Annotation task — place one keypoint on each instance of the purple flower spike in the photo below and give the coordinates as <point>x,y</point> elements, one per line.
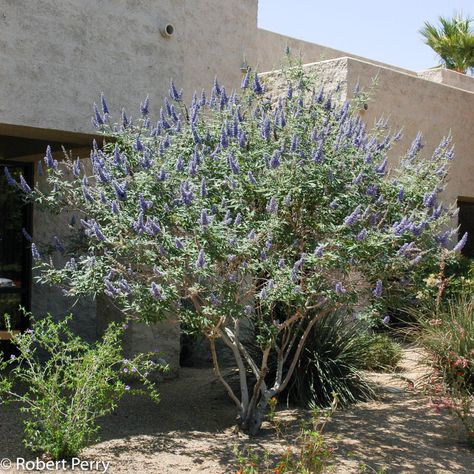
<point>26,235</point>
<point>272,206</point>
<point>246,80</point>
<point>460,245</point>
<point>201,260</point>
<point>24,185</point>
<point>401,194</point>
<point>381,168</point>
<point>233,164</point>
<point>98,232</point>
<point>319,251</point>
<point>339,288</point>
<point>265,128</point>
<point>155,291</point>
<point>257,86</point>
<point>9,177</point>
<point>174,93</point>
<point>386,319</point>
<point>49,160</point>
<point>362,234</point>
<point>34,252</point>
<point>429,199</point>
<point>204,218</point>
<point>98,119</point>
<point>378,290</point>
<point>251,178</point>
<point>120,191</point>
<point>203,188</point>
<point>105,109</point>
<point>275,160</point>
<point>145,106</point>
<point>352,218</point>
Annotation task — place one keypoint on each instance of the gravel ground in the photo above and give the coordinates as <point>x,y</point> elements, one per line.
<point>192,431</point>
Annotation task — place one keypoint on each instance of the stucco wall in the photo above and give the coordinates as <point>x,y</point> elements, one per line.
<point>58,55</point>
<point>270,48</point>
<point>449,78</point>
<point>47,299</point>
<point>417,104</point>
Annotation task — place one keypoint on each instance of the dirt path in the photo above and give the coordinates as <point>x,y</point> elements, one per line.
<point>191,431</point>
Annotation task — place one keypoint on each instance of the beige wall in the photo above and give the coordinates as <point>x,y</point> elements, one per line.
<point>57,56</point>
<point>271,46</point>
<point>417,104</point>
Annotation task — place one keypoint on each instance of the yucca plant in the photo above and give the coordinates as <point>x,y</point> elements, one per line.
<point>336,352</point>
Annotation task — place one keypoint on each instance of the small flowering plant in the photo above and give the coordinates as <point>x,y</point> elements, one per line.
<point>64,385</point>
<point>265,211</point>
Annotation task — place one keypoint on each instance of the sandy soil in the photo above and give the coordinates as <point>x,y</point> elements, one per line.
<point>192,431</point>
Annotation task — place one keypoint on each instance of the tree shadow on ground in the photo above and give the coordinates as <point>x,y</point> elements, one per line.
<point>191,430</point>
<point>402,434</point>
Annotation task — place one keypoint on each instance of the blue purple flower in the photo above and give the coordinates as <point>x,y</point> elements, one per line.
<point>34,252</point>
<point>251,178</point>
<point>24,185</point>
<point>272,206</point>
<point>257,86</point>
<point>201,260</point>
<point>174,93</point>
<point>155,291</point>
<point>460,245</point>
<point>378,290</point>
<point>49,160</point>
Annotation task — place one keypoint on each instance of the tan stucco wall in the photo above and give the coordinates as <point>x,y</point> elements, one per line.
<point>58,57</point>
<point>417,104</point>
<point>271,46</point>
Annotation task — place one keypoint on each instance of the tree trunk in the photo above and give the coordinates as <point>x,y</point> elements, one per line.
<point>253,419</point>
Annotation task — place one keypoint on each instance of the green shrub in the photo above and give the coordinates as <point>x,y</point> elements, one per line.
<point>308,453</point>
<point>447,334</point>
<point>384,353</point>
<point>64,384</point>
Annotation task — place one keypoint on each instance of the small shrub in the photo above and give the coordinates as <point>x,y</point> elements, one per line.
<point>309,453</point>
<point>384,353</point>
<point>448,336</point>
<point>65,384</point>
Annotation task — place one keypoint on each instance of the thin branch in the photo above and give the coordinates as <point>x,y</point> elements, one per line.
<point>217,371</point>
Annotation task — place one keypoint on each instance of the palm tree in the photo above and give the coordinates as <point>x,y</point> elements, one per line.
<point>453,41</point>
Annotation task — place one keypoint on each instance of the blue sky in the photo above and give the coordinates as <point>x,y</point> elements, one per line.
<point>376,29</point>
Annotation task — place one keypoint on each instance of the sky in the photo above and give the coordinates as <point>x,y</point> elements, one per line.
<point>386,31</point>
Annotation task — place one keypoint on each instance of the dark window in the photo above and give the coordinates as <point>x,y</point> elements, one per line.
<point>466,224</point>
<point>15,260</point>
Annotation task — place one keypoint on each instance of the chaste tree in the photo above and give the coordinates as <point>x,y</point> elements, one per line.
<point>248,216</point>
